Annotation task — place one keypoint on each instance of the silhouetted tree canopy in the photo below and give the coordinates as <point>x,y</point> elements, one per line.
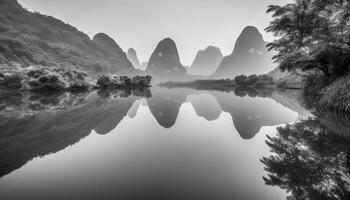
<point>309,161</point>
<point>312,35</point>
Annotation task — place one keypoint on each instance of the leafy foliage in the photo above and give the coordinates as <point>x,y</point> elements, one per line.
<point>309,161</point>
<point>44,79</point>
<point>107,82</point>
<point>254,80</point>
<point>312,35</point>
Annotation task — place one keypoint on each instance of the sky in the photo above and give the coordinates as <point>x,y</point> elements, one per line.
<point>141,24</point>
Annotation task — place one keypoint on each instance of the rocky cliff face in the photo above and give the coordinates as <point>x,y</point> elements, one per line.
<point>250,56</point>
<point>164,63</point>
<point>34,39</point>
<point>206,61</point>
<point>132,56</point>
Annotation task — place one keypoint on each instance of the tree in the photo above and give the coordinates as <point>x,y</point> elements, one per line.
<point>241,80</point>
<point>312,35</point>
<point>252,79</point>
<point>309,161</point>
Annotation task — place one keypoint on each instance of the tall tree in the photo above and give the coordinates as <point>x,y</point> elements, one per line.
<point>312,35</point>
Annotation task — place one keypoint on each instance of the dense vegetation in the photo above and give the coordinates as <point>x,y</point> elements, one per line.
<point>28,38</point>
<point>314,36</point>
<point>53,79</point>
<point>254,80</point>
<point>310,160</point>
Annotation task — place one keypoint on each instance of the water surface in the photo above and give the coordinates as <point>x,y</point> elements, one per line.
<point>177,144</point>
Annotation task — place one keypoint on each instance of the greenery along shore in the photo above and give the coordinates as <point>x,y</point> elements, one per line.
<point>314,37</point>
<point>53,79</point>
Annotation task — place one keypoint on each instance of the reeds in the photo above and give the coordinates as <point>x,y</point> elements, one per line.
<point>336,96</point>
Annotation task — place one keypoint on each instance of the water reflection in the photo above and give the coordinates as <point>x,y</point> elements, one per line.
<point>310,161</point>
<point>165,105</point>
<point>250,114</point>
<point>168,143</point>
<point>205,106</point>
<point>34,125</point>
<point>39,126</point>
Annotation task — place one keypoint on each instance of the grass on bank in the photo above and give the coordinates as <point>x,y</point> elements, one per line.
<point>336,97</point>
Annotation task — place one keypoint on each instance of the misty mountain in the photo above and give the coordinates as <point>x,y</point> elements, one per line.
<point>250,56</point>
<point>206,61</point>
<point>144,65</point>
<point>164,63</point>
<point>132,56</point>
<point>30,38</point>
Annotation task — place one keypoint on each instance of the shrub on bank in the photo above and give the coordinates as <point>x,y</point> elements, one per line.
<point>241,80</point>
<point>36,78</point>
<point>254,80</point>
<point>107,82</point>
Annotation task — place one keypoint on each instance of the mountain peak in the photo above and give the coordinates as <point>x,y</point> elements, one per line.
<point>212,48</point>
<point>102,37</point>
<point>167,40</point>
<point>168,47</point>
<point>206,61</point>
<point>132,51</point>
<point>165,61</point>
<point>108,43</point>
<point>249,56</point>
<point>251,29</point>
<point>249,38</point>
<point>132,56</point>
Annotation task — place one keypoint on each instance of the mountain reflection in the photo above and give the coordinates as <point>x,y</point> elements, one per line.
<point>250,114</point>
<point>310,160</point>
<point>205,106</point>
<point>32,127</point>
<point>35,125</point>
<point>165,105</point>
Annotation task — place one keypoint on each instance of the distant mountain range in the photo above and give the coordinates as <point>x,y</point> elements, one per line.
<point>206,61</point>
<point>29,38</point>
<point>250,56</point>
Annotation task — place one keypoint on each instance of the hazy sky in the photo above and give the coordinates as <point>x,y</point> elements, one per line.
<point>141,24</point>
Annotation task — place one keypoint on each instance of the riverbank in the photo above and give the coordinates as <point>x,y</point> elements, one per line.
<point>201,84</point>
<point>252,81</point>
<point>222,84</point>
<point>53,79</point>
